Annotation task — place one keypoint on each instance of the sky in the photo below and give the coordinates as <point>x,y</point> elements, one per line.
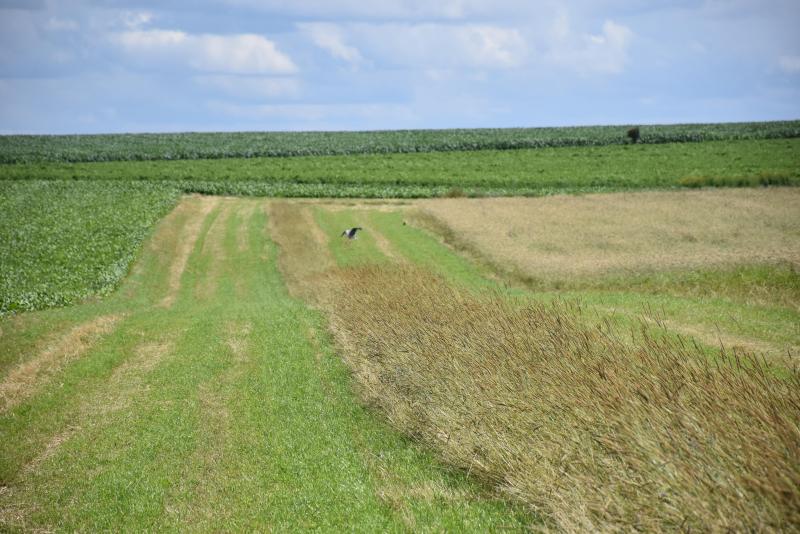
<point>107,66</point>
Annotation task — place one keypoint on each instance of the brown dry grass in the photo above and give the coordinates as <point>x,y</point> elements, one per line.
<point>385,246</point>
<point>567,236</point>
<point>127,381</point>
<point>198,209</point>
<point>124,384</point>
<point>23,381</point>
<point>591,431</point>
<point>304,247</point>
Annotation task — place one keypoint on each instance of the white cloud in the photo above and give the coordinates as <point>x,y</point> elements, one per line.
<point>242,53</point>
<point>330,37</point>
<point>251,87</point>
<point>391,9</point>
<point>439,46</point>
<point>789,64</point>
<point>606,52</point>
<point>133,20</point>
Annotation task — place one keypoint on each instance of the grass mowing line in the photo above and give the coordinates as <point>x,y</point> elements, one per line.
<point>23,381</point>
<point>233,427</point>
<point>712,321</point>
<point>199,208</point>
<point>212,251</point>
<point>304,246</point>
<point>202,491</point>
<point>422,248</point>
<point>123,385</point>
<point>362,249</point>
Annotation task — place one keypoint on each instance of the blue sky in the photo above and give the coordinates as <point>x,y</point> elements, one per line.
<point>97,66</point>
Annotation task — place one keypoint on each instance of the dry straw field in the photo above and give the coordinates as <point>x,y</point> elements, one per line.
<point>569,236</point>
<point>591,430</point>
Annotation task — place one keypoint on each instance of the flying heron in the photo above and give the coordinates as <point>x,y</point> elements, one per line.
<point>351,232</point>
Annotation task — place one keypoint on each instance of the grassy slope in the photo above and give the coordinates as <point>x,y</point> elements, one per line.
<point>225,409</point>
<point>528,172</point>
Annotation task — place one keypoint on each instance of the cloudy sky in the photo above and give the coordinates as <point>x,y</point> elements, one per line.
<point>92,66</point>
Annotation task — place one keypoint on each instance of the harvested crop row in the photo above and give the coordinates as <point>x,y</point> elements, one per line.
<point>592,431</point>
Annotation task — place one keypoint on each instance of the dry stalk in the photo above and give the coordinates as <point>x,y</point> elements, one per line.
<point>590,430</point>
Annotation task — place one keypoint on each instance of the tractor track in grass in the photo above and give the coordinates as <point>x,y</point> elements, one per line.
<point>188,236</point>
<point>218,403</point>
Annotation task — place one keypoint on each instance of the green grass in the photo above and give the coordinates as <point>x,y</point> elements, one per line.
<point>65,241</point>
<point>245,421</point>
<point>487,172</point>
<point>132,147</point>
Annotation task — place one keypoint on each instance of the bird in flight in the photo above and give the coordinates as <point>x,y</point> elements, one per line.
<point>351,232</point>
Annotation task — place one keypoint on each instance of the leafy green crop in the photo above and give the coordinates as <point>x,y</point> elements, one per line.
<point>179,146</point>
<point>475,173</point>
<point>64,241</point>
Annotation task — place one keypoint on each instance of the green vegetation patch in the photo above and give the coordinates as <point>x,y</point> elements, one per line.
<point>477,173</point>
<point>131,147</point>
<point>64,241</point>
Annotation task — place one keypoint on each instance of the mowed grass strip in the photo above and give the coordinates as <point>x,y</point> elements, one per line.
<point>226,410</point>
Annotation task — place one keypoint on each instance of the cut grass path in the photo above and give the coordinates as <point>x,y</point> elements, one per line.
<point>214,402</point>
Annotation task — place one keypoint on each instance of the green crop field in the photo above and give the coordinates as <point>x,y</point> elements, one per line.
<point>573,361</point>
<point>65,241</point>
<point>128,147</point>
<point>478,173</point>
